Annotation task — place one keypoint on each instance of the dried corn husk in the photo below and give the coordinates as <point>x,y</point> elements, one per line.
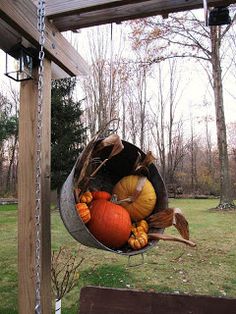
<point>87,167</point>
<point>170,217</point>
<point>141,166</point>
<point>84,165</point>
<point>112,140</point>
<point>158,236</point>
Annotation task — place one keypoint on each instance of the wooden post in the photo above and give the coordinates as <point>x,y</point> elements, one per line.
<point>26,194</point>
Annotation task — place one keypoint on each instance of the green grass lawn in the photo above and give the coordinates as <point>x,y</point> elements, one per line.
<point>169,267</point>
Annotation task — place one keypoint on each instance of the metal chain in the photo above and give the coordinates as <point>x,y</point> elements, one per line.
<point>38,207</point>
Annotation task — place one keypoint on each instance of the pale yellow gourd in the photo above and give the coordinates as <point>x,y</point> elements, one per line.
<point>143,205</point>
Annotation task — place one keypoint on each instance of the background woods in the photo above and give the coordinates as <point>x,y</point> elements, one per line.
<point>8,141</point>
<point>168,82</point>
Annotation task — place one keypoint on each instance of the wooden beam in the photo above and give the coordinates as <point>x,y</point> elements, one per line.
<point>55,8</point>
<point>26,195</point>
<point>97,300</point>
<point>72,15</point>
<point>46,190</point>
<point>22,16</point>
<point>10,37</point>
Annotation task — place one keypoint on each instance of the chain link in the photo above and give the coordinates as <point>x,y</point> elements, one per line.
<point>38,190</point>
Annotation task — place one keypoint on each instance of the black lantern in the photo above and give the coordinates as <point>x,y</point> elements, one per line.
<point>19,63</point>
<point>219,16</point>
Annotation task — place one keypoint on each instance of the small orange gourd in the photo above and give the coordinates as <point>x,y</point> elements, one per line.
<point>83,211</point>
<point>97,195</point>
<point>142,225</point>
<point>138,239</point>
<point>86,197</point>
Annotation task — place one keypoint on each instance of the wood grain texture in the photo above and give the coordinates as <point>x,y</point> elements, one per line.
<point>61,7</point>
<point>46,190</point>
<point>71,15</point>
<point>22,16</point>
<point>10,37</point>
<point>96,300</point>
<point>26,195</point>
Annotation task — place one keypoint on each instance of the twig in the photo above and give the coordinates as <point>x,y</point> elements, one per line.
<point>99,167</point>
<point>63,271</point>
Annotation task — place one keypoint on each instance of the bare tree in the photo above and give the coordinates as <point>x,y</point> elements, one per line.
<point>103,88</point>
<point>193,154</point>
<point>191,39</point>
<point>11,177</point>
<point>8,140</point>
<point>167,130</point>
<point>232,152</point>
<point>158,130</point>
<point>141,99</point>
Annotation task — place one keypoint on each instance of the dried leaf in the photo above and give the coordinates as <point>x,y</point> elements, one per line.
<point>141,166</point>
<point>149,158</point>
<point>137,161</point>
<point>162,219</point>
<point>170,217</point>
<point>84,162</point>
<point>85,168</point>
<point>114,140</point>
<point>76,194</point>
<point>182,226</point>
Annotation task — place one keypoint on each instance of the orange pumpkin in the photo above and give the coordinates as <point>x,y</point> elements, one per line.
<point>138,239</point>
<point>83,211</point>
<point>110,223</point>
<point>101,195</point>
<point>143,205</point>
<point>86,197</point>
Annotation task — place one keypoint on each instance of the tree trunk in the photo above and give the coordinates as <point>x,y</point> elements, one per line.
<point>8,187</point>
<point>142,105</point>
<point>192,161</point>
<point>209,147</point>
<point>162,149</point>
<point>226,200</point>
<point>123,118</point>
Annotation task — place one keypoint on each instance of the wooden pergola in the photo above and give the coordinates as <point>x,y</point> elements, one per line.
<point>18,23</point>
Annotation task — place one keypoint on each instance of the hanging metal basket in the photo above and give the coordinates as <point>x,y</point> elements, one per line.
<point>116,168</point>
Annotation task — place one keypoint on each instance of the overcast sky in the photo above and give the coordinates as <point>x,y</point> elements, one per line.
<point>196,88</point>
